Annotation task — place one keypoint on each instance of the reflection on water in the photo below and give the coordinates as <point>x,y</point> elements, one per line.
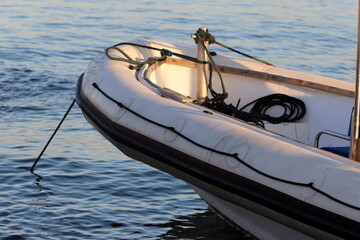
<point>204,225</point>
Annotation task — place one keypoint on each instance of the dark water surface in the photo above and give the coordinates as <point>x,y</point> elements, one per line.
<point>87,189</point>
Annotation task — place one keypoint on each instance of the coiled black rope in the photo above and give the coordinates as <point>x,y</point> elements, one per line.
<point>293,109</point>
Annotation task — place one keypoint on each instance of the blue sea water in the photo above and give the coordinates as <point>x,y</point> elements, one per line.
<point>84,188</point>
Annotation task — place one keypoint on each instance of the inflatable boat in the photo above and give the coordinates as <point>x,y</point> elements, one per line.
<point>266,147</point>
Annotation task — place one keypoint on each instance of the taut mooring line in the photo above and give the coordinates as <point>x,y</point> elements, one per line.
<point>47,144</point>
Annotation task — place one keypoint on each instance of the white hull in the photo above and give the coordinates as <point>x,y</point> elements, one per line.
<point>271,182</point>
<point>250,217</point>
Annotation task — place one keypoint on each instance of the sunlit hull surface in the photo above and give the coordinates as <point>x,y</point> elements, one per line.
<point>272,182</point>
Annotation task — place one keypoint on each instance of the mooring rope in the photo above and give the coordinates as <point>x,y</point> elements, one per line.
<point>201,36</point>
<point>244,54</point>
<point>224,95</point>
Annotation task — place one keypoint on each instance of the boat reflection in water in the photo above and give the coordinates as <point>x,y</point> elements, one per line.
<point>206,225</point>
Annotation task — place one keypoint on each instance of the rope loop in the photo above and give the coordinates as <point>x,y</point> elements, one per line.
<point>136,65</point>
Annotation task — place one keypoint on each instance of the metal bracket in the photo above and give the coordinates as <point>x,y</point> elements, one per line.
<point>330,133</point>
